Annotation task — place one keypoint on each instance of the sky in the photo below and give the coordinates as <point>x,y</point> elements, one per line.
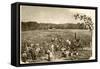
<point>52,14</point>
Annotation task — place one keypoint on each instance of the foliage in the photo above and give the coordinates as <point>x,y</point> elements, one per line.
<point>45,26</point>
<point>87,20</point>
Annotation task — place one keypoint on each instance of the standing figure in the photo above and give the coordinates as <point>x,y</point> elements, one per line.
<point>24,57</point>
<point>49,55</point>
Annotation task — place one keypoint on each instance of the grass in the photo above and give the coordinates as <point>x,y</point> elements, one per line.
<point>39,36</point>
<point>45,35</point>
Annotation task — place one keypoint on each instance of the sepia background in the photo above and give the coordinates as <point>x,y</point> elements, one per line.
<point>40,24</point>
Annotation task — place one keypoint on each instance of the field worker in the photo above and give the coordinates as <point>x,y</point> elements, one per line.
<point>62,49</point>
<point>41,52</point>
<point>29,53</point>
<point>56,39</point>
<point>57,47</point>
<point>78,43</point>
<point>69,42</point>
<point>37,47</point>
<point>33,54</point>
<point>28,43</point>
<point>28,48</point>
<point>37,50</point>
<point>24,46</point>
<point>52,48</point>
<point>24,56</point>
<point>49,55</point>
<point>76,53</point>
<point>31,44</point>
<point>67,53</point>
<point>52,39</point>
<point>63,52</point>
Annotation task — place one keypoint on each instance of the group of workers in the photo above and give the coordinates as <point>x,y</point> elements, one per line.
<point>55,48</point>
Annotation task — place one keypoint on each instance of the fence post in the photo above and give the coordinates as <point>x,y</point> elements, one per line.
<point>75,35</point>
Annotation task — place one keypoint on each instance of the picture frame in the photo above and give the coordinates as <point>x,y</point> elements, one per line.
<point>53,29</point>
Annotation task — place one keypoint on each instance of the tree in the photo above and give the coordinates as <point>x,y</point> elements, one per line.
<point>87,22</point>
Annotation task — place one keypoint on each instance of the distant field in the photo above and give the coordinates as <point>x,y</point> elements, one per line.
<point>39,36</point>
